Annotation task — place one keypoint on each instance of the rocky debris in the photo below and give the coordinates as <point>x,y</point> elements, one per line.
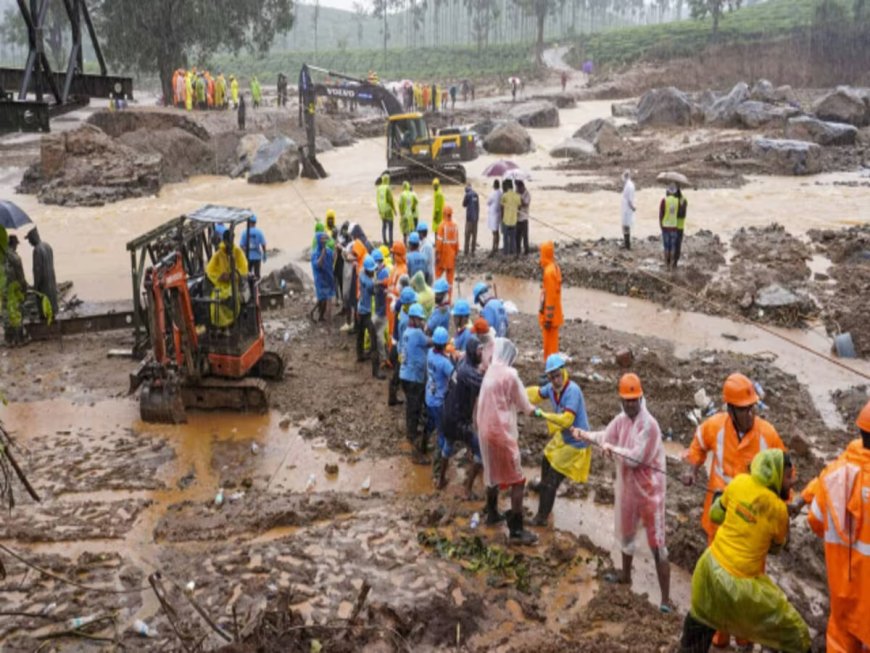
<point>724,110</point>
<point>845,104</point>
<point>775,249</point>
<point>807,128</point>
<point>665,106</point>
<point>762,91</point>
<point>338,132</point>
<point>573,148</point>
<point>181,153</point>
<point>561,100</point>
<point>535,114</point>
<point>85,167</point>
<point>624,110</point>
<point>322,144</point>
<point>602,134</point>
<point>775,296</point>
<point>116,123</point>
<point>248,146</point>
<point>275,162</point>
<point>788,156</point>
<point>786,94</point>
<point>753,114</point>
<point>508,138</point>
<point>367,127</point>
<point>483,127</point>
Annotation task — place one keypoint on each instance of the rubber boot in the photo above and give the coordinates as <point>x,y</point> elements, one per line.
<point>546,500</point>
<point>518,534</point>
<point>627,238</point>
<point>493,516</point>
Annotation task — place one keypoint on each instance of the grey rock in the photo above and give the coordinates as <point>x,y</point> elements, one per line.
<point>535,114</point>
<point>484,127</point>
<point>754,114</point>
<point>248,146</point>
<point>508,138</point>
<point>603,135</point>
<point>845,104</point>
<point>623,110</point>
<point>275,162</point>
<point>762,91</point>
<point>706,99</point>
<point>789,156</point>
<point>665,106</point>
<point>724,110</point>
<point>573,148</point>
<point>775,296</point>
<point>807,128</point>
<point>561,100</point>
<point>322,144</point>
<point>785,94</point>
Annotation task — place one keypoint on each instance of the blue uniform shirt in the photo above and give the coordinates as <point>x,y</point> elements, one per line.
<point>460,339</point>
<point>440,318</point>
<point>496,316</point>
<point>417,263</point>
<point>380,299</point>
<point>401,327</point>
<point>572,400</point>
<point>415,346</point>
<point>257,242</point>
<point>438,371</point>
<point>471,202</point>
<point>366,292</point>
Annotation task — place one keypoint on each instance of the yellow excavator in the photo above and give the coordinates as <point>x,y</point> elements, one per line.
<point>412,151</point>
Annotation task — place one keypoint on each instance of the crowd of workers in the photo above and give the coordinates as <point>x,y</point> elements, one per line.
<point>455,373</point>
<point>199,89</point>
<point>14,288</point>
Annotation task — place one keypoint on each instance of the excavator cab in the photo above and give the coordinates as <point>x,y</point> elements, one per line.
<point>408,140</point>
<point>207,338</point>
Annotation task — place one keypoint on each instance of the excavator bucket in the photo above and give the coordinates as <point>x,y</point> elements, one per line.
<point>160,401</point>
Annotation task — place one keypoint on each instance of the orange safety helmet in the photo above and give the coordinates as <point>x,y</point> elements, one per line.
<point>629,386</point>
<point>739,391</point>
<point>863,421</point>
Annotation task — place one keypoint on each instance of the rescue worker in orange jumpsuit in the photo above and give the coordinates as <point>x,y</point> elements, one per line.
<point>394,286</point>
<point>840,514</point>
<point>734,437</point>
<point>446,248</point>
<point>550,313</point>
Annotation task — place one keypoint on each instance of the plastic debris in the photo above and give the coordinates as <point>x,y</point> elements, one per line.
<point>475,520</point>
<point>142,629</point>
<point>312,481</point>
<point>255,448</point>
<point>701,399</point>
<point>219,498</point>
<point>236,496</point>
<point>77,622</point>
<point>366,484</point>
<point>191,585</point>
<point>595,360</point>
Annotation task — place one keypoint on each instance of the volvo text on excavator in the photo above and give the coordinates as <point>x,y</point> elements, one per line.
<point>412,152</point>
<point>207,347</point>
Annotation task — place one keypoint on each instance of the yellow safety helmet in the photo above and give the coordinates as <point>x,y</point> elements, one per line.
<point>436,182</point>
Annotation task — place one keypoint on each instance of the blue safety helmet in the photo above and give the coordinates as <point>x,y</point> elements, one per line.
<point>461,308</point>
<point>369,263</point>
<point>219,229</point>
<point>479,288</point>
<point>441,286</point>
<point>414,238</point>
<point>554,362</point>
<point>408,296</point>
<point>422,226</point>
<point>417,311</point>
<point>440,337</point>
<point>383,274</point>
<point>254,218</point>
<point>378,256</point>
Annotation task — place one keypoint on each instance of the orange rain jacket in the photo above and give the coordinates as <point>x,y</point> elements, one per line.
<point>551,289</point>
<point>840,514</point>
<point>400,267</point>
<point>731,456</point>
<point>446,245</point>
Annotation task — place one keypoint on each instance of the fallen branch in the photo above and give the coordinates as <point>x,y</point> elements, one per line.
<point>5,448</point>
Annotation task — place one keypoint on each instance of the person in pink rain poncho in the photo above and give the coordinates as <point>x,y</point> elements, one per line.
<point>634,439</point>
<point>502,396</point>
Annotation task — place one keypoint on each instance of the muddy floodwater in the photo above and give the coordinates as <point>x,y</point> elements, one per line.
<point>89,243</point>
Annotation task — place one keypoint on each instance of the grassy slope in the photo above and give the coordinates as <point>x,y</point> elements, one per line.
<point>768,20</point>
<point>440,64</point>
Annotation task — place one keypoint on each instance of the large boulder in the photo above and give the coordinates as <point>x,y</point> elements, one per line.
<point>535,114</point>
<point>724,110</point>
<point>274,162</point>
<point>807,128</point>
<point>845,104</point>
<point>508,138</point>
<point>484,127</point>
<point>785,94</point>
<point>573,148</point>
<point>762,91</point>
<point>336,131</point>
<point>788,156</point>
<point>754,114</point>
<point>561,100</point>
<point>602,134</point>
<point>665,106</point>
<point>248,146</point>
<point>623,110</point>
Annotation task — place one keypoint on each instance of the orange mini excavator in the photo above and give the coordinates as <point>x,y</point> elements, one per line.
<point>192,362</point>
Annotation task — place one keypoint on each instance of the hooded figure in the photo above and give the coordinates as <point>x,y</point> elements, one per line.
<point>502,396</point>
<point>425,294</point>
<point>386,209</point>
<point>224,276</point>
<point>43,271</point>
<point>550,313</point>
<point>730,590</point>
<point>408,214</point>
<point>16,288</point>
<point>437,204</point>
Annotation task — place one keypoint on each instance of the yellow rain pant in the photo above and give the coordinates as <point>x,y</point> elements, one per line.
<point>570,461</point>
<point>225,313</point>
<point>749,608</point>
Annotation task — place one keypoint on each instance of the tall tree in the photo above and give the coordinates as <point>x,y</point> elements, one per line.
<point>713,8</point>
<point>381,9</point>
<point>161,35</point>
<point>359,17</point>
<point>539,9</point>
<point>315,17</point>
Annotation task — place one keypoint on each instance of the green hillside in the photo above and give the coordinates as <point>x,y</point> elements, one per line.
<point>764,21</point>
<point>421,63</point>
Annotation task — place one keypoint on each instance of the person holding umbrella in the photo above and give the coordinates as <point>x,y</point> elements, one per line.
<point>16,289</point>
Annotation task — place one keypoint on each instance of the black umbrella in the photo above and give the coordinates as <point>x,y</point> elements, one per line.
<point>12,217</point>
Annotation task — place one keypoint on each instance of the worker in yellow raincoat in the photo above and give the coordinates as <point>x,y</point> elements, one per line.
<point>730,591</point>
<point>188,91</point>
<point>234,91</point>
<point>220,92</point>
<point>224,276</point>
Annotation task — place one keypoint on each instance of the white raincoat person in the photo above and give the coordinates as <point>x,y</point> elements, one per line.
<point>635,440</point>
<point>502,396</point>
<point>628,208</point>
